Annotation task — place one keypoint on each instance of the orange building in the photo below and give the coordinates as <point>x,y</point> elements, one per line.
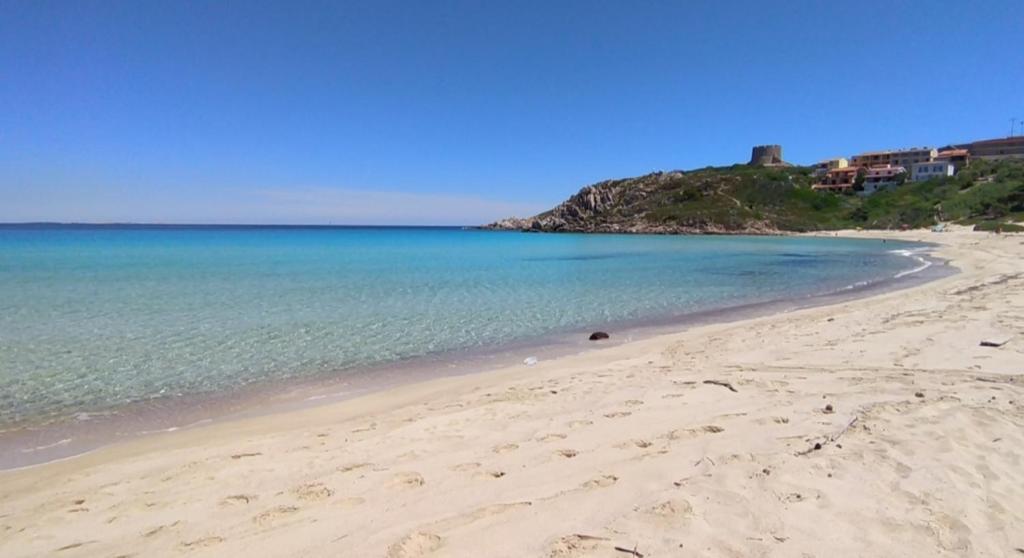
<point>837,180</point>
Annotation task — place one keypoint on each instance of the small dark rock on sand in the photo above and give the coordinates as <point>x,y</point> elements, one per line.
<point>598,335</point>
<point>919,395</point>
<point>828,408</point>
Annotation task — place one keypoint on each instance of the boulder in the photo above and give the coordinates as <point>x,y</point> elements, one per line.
<point>598,335</point>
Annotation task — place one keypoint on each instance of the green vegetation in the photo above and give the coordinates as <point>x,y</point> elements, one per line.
<point>987,193</point>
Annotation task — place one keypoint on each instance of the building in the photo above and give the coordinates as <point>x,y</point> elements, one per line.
<point>996,149</point>
<point>872,159</point>
<point>932,169</point>
<point>822,167</point>
<point>894,158</point>
<point>959,157</point>
<point>907,158</point>
<point>837,180</point>
<point>766,155</point>
<point>879,178</point>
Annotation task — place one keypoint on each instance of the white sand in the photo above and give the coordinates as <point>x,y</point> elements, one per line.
<point>624,446</point>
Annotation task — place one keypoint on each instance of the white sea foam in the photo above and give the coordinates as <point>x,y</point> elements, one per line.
<point>925,264</point>
<point>63,442</point>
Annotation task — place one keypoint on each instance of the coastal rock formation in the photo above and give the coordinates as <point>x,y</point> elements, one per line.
<point>769,197</point>
<point>674,202</point>
<point>598,335</point>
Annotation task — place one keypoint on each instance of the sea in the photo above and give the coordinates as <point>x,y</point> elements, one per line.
<point>109,331</point>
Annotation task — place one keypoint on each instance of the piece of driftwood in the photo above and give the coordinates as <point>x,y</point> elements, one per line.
<point>726,385</point>
<point>628,551</point>
<point>830,439</point>
<point>589,537</point>
<point>996,341</point>
<point>703,459</point>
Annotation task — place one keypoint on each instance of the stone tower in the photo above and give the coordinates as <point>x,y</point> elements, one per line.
<point>766,155</point>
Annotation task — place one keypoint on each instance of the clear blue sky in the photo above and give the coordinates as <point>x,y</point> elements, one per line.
<point>460,112</point>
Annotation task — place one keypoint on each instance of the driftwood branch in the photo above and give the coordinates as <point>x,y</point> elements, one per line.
<point>829,439</point>
<point>726,385</point>
<point>628,551</point>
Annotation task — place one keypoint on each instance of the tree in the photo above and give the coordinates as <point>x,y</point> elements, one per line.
<point>858,181</point>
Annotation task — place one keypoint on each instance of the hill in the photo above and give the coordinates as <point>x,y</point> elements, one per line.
<point>766,200</point>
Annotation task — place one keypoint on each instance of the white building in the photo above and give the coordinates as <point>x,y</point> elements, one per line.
<point>932,169</point>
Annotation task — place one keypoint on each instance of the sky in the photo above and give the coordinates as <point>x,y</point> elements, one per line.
<point>447,113</point>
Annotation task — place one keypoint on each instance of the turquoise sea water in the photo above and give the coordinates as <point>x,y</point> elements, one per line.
<point>92,318</point>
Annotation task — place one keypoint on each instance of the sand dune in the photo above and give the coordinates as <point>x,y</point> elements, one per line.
<point>919,433</point>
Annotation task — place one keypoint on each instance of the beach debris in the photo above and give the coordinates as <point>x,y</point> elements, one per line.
<point>830,439</point>
<point>997,341</point>
<point>726,385</point>
<point>244,455</point>
<point>589,537</point>
<point>599,335</point>
<point>530,361</point>
<point>628,551</point>
<point>703,459</point>
<point>829,409</point>
<point>919,394</point>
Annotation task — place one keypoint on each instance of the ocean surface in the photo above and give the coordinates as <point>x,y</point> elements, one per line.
<point>96,318</point>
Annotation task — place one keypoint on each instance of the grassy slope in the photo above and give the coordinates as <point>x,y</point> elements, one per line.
<point>735,195</point>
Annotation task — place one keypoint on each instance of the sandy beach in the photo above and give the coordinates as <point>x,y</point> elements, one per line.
<point>875,427</point>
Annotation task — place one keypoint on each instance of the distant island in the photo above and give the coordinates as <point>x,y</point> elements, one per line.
<point>769,196</point>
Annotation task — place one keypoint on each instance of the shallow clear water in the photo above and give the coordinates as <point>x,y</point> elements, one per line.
<point>96,317</point>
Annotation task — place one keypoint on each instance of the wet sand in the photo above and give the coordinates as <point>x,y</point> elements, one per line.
<point>918,430</point>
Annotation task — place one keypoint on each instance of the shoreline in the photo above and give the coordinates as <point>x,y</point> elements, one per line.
<point>919,430</point>
<point>35,445</point>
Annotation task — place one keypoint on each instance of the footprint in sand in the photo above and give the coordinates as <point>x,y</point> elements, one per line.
<point>618,414</point>
<point>235,499</point>
<point>551,437</point>
<point>204,542</point>
<point>414,545</point>
<point>671,511</point>
<point>603,481</point>
<point>567,453</point>
<point>681,433</point>
<point>312,492</point>
<point>410,479</point>
<point>273,514</point>
<point>575,545</point>
<point>633,403</point>
<point>792,497</point>
<point>463,467</point>
<point>159,528</point>
<point>505,448</point>
<point>638,443</point>
<point>355,467</point>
